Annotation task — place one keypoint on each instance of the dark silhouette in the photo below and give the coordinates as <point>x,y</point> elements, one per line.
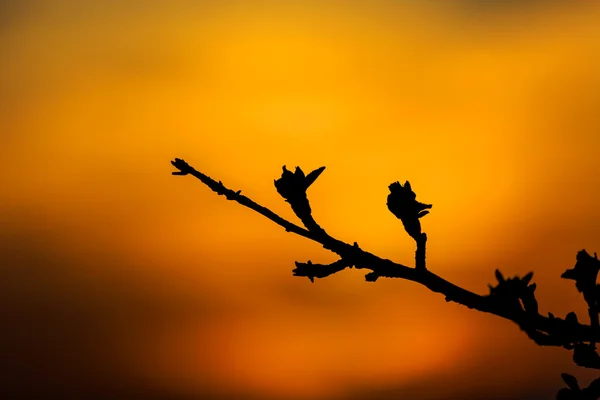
<point>511,298</point>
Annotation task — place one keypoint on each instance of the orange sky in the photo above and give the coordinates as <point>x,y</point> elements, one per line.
<point>118,278</point>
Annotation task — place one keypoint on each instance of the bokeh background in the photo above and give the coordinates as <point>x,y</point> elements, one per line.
<point>120,281</point>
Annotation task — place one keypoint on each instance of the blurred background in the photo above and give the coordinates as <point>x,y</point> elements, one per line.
<point>120,281</point>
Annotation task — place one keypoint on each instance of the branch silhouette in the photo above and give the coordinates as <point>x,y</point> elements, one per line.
<point>511,298</point>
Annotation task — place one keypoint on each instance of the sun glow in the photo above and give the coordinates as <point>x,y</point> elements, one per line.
<point>484,121</point>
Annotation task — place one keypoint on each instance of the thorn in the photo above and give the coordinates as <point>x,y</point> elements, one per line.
<point>238,192</point>
<point>312,279</point>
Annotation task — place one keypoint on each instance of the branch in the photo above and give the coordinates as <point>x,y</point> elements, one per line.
<point>312,271</point>
<point>512,299</point>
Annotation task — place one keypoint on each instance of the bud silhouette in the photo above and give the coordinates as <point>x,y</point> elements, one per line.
<point>403,204</point>
<point>585,272</point>
<point>292,187</point>
<point>573,392</point>
<point>585,355</point>
<point>515,293</point>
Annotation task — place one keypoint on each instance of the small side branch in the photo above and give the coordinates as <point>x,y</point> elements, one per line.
<point>312,271</point>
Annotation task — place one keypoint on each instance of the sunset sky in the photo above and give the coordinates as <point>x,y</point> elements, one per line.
<point>120,281</point>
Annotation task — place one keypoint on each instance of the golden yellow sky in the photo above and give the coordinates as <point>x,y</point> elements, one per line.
<point>118,277</point>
